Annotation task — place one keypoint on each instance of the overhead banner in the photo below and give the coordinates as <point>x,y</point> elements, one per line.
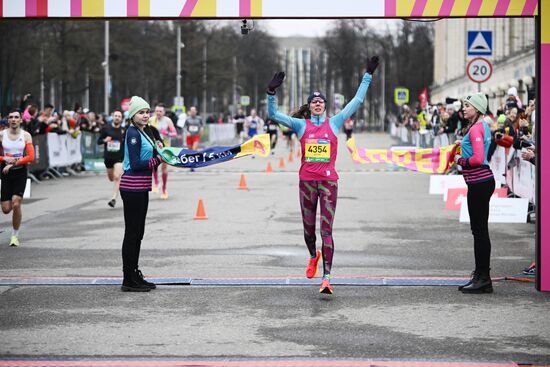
<point>432,160</point>
<point>263,8</point>
<point>187,158</point>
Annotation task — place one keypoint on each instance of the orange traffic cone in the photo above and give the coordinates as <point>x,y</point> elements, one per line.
<point>290,157</point>
<point>242,183</point>
<point>201,214</point>
<point>281,163</point>
<point>268,169</point>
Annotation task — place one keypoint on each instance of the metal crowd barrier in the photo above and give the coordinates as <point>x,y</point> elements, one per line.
<point>55,155</point>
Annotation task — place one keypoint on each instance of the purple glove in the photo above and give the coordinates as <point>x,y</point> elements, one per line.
<point>372,64</point>
<point>275,82</point>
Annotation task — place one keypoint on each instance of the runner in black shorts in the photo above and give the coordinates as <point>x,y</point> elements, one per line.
<point>273,130</point>
<point>15,142</point>
<point>111,136</point>
<point>289,135</point>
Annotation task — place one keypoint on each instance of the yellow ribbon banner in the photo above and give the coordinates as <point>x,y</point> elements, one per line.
<point>432,160</point>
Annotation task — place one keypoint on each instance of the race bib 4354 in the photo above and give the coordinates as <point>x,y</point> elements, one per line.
<point>317,150</point>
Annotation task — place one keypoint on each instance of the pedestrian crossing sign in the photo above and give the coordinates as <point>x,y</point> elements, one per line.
<point>480,43</point>
<point>401,96</point>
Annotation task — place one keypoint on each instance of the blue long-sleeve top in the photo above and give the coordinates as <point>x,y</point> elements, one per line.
<point>336,122</point>
<point>138,162</point>
<point>138,153</point>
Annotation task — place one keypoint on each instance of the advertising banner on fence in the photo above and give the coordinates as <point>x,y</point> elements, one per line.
<point>500,210</point>
<point>63,150</point>
<point>41,161</point>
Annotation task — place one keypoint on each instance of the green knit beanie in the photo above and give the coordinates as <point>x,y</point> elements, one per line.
<point>479,101</point>
<point>136,104</point>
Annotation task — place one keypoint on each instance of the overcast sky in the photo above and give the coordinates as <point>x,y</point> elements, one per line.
<point>304,27</point>
<point>295,27</point>
<point>311,27</point>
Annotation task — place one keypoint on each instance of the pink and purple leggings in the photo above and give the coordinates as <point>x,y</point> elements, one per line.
<point>327,193</point>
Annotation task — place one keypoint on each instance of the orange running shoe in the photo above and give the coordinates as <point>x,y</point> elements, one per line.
<point>325,286</point>
<point>311,270</point>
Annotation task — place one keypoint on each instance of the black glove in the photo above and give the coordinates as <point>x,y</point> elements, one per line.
<point>372,64</point>
<point>275,82</point>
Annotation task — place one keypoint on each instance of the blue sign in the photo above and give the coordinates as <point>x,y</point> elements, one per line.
<point>480,43</point>
<point>401,96</point>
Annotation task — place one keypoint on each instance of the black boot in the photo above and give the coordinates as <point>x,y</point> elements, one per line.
<point>474,274</point>
<point>143,281</point>
<point>481,283</point>
<point>132,282</point>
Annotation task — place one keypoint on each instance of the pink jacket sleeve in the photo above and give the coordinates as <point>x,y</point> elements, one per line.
<point>478,148</point>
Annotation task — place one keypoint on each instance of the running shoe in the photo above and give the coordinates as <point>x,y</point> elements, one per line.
<point>14,241</point>
<point>112,203</point>
<point>155,189</point>
<point>325,286</point>
<point>531,270</point>
<point>164,195</point>
<point>311,270</point>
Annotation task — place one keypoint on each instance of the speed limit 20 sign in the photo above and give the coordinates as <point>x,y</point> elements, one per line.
<point>479,69</point>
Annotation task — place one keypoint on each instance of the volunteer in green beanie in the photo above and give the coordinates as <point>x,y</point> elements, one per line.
<point>481,185</point>
<point>136,104</point>
<point>140,159</point>
<point>478,101</point>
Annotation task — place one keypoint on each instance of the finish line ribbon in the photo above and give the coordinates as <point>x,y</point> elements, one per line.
<point>182,157</point>
<point>431,160</point>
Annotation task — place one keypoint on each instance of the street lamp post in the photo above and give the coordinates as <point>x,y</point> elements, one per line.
<point>179,46</point>
<point>234,98</point>
<point>383,93</point>
<point>204,78</point>
<point>106,67</point>
<point>42,79</point>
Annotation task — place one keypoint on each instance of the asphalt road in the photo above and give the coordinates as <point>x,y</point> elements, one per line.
<point>387,225</point>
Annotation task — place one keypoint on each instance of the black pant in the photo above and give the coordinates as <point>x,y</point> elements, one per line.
<point>348,133</point>
<point>135,211</point>
<point>479,195</point>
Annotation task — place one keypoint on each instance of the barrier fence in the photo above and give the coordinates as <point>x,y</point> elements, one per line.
<point>506,163</point>
<point>221,132</point>
<point>54,152</point>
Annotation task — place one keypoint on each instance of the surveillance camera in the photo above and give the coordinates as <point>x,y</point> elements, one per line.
<point>245,27</point>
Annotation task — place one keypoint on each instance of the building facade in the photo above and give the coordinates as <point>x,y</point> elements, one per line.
<point>513,59</point>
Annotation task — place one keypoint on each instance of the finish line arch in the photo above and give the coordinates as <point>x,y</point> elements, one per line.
<point>315,9</point>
